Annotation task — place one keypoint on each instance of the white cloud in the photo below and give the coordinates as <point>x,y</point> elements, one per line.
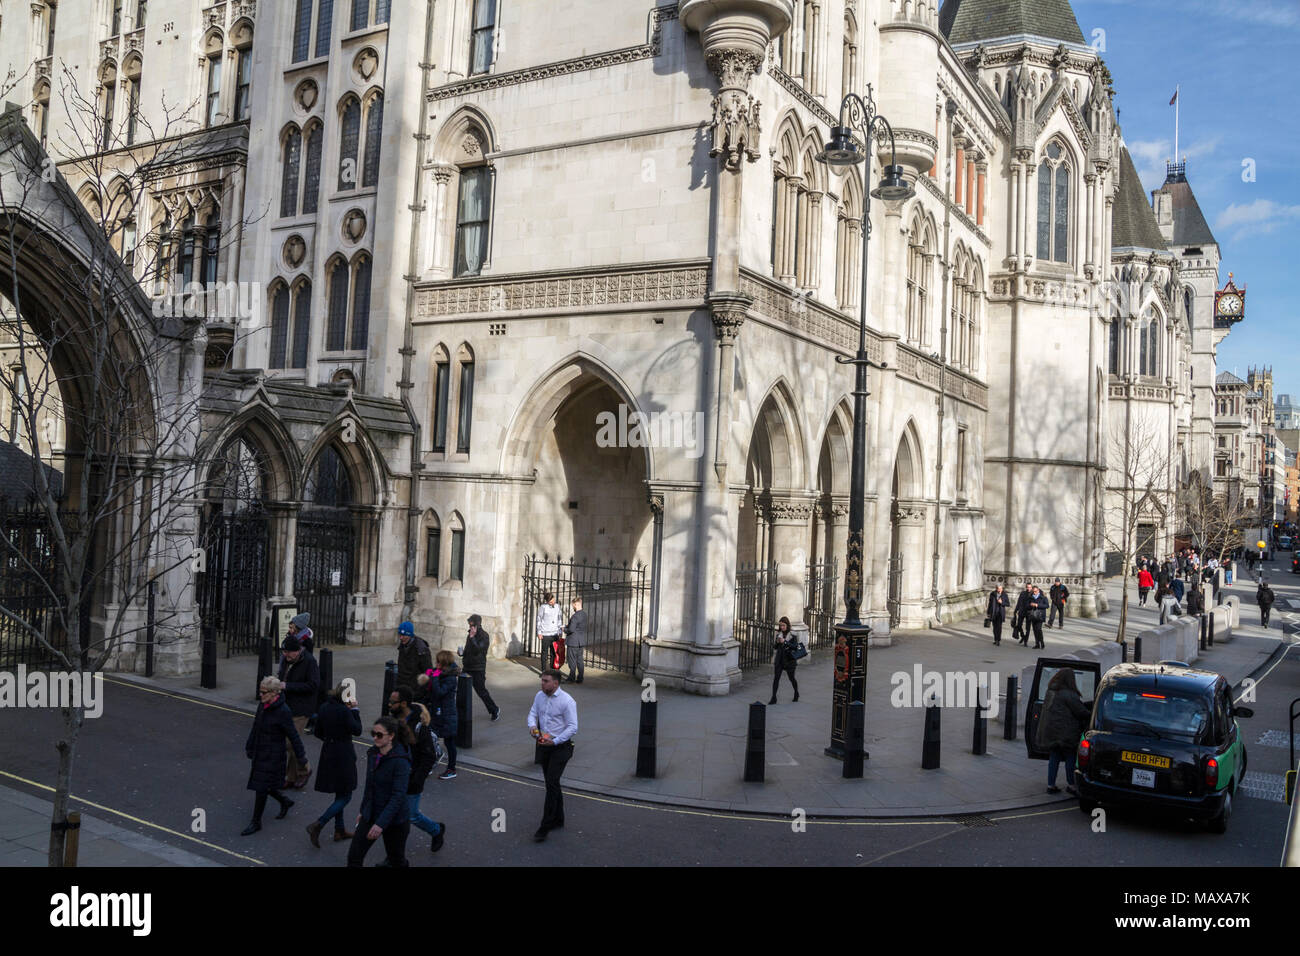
<point>1150,155</point>
<point>1256,218</point>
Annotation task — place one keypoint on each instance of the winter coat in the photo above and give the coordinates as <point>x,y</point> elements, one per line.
<point>1145,580</point>
<point>425,752</point>
<point>576,629</point>
<point>1063,720</point>
<point>781,656</point>
<point>1040,605</point>
<point>301,684</point>
<point>1195,602</point>
<point>474,660</point>
<point>387,777</point>
<point>336,725</point>
<point>1179,588</point>
<point>1059,594</point>
<point>1023,603</point>
<point>413,659</point>
<point>1264,596</point>
<point>442,702</point>
<point>272,726</point>
<point>997,609</point>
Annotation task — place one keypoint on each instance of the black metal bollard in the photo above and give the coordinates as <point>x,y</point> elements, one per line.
<point>1013,692</point>
<point>1204,630</point>
<point>930,742</point>
<point>754,743</point>
<point>855,741</point>
<point>979,744</point>
<point>208,674</point>
<point>326,663</point>
<point>464,712</point>
<point>263,664</point>
<point>1137,650</point>
<point>1123,652</point>
<point>390,682</point>
<point>1209,636</point>
<point>646,739</point>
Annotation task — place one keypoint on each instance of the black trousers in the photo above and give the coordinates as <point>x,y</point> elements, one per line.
<point>553,762</point>
<point>259,802</point>
<point>1038,632</point>
<point>480,687</point>
<point>1058,611</point>
<point>394,838</point>
<point>997,630</point>
<point>1263,614</point>
<point>787,668</point>
<point>573,657</point>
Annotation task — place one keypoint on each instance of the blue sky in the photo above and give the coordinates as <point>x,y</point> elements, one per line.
<point>1233,64</point>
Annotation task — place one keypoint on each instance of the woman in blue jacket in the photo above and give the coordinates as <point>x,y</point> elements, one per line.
<point>383,807</point>
<point>442,707</point>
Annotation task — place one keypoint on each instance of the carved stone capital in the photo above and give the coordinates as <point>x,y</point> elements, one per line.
<point>656,499</point>
<point>729,311</point>
<point>790,510</point>
<point>735,125</point>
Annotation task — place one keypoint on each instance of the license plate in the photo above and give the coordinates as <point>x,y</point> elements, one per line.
<point>1144,778</point>
<point>1145,760</point>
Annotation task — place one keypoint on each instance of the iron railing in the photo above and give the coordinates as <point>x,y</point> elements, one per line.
<point>821,580</point>
<point>233,586</point>
<point>322,572</point>
<point>613,595</point>
<point>754,626</point>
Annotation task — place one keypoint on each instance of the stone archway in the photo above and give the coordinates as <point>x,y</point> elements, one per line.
<point>904,594</point>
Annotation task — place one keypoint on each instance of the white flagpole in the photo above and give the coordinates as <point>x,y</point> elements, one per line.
<point>1177,106</point>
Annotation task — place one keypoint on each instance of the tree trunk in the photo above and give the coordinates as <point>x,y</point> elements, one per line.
<point>1123,611</point>
<point>67,748</point>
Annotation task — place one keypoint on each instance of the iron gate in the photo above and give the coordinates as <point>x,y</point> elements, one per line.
<point>895,600</point>
<point>322,572</point>
<point>755,622</point>
<point>613,595</point>
<point>819,614</point>
<point>233,585</point>
<point>27,571</point>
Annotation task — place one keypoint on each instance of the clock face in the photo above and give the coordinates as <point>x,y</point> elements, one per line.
<point>1229,304</point>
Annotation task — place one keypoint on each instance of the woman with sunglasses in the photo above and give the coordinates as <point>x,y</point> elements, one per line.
<point>383,807</point>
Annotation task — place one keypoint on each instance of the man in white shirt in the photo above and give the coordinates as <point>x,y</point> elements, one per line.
<point>553,721</point>
<point>549,623</point>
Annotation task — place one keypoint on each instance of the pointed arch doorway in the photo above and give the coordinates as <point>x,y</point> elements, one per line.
<point>325,547</point>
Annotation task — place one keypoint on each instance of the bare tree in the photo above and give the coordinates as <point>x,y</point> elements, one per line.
<point>1215,522</point>
<point>104,388</point>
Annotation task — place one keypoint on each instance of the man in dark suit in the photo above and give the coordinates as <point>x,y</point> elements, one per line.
<point>1020,620</point>
<point>1059,594</point>
<point>996,613</point>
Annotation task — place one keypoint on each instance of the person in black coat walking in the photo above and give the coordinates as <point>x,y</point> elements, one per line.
<point>424,757</point>
<point>301,676</point>
<point>383,805</point>
<point>1264,598</point>
<point>413,657</point>
<point>1037,614</point>
<point>1059,594</point>
<point>473,659</point>
<point>1020,617</point>
<point>782,662</point>
<point>442,689</point>
<point>996,612</point>
<point>272,730</point>
<point>336,724</point>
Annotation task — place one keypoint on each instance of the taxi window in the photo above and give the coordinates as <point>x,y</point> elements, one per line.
<point>1153,713</point>
<point>1085,680</point>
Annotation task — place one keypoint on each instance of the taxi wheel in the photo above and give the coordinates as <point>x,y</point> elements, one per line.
<point>1087,806</point>
<point>1220,823</point>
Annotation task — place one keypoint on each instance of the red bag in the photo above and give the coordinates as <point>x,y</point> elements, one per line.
<point>557,652</point>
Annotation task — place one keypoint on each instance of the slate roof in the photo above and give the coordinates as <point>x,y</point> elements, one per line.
<point>1190,227</point>
<point>1227,378</point>
<point>967,21</point>
<point>1134,222</point>
<point>18,473</point>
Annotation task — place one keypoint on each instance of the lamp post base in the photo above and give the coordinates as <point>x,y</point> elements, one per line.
<point>850,683</point>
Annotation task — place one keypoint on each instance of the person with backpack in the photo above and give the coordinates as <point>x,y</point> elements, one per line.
<point>1264,598</point>
<point>424,757</point>
<point>384,811</point>
<point>783,660</point>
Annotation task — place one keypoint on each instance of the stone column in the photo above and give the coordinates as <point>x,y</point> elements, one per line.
<point>1013,215</point>
<point>813,243</point>
<point>970,184</point>
<point>957,171</point>
<point>1028,247</point>
<point>790,553</point>
<point>438,244</point>
<point>788,267</point>
<point>982,169</point>
<point>1090,208</point>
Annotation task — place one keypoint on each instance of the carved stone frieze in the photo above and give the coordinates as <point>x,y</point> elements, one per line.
<point>789,510</point>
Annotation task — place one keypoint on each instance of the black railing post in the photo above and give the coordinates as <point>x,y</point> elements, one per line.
<point>1209,635</point>
<point>1204,630</point>
<point>930,739</point>
<point>980,735</point>
<point>1123,652</point>
<point>1013,702</point>
<point>1137,650</point>
<point>208,675</point>
<point>646,739</point>
<point>754,743</point>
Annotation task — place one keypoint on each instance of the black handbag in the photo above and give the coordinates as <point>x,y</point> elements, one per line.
<point>797,652</point>
<point>987,622</point>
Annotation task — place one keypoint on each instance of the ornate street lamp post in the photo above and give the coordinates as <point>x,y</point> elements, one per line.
<point>851,634</point>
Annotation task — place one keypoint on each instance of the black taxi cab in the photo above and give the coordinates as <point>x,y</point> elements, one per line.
<point>1165,736</point>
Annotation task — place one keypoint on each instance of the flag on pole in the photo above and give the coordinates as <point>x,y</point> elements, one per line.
<point>1175,99</point>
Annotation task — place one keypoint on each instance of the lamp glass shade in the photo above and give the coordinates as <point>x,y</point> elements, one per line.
<point>893,185</point>
<point>842,150</point>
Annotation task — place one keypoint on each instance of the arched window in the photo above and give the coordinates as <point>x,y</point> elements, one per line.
<point>374,134</point>
<point>456,566</point>
<point>974,314</point>
<point>786,187</point>
<point>301,322</point>
<point>289,172</point>
<point>279,327</point>
<point>1054,205</point>
<point>41,111</point>
<point>337,323</point>
<point>458,240</point>
<point>244,79</point>
<point>439,400</point>
<point>1148,344</point>
<point>464,399</point>
<point>131,70</point>
<point>473,207</point>
<point>211,247</point>
<point>212,107</point>
<point>311,181</point>
<point>812,46</point>
<point>1116,338</point>
<point>1189,299</point>
<point>919,253</point>
<point>302,21</point>
<point>186,252</point>
<point>482,28</point>
<point>108,81</point>
<point>432,544</point>
<point>361,302</point>
<point>850,56</point>
<point>848,245</point>
<point>348,141</point>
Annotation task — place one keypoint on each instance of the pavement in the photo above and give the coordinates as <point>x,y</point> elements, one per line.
<point>701,740</point>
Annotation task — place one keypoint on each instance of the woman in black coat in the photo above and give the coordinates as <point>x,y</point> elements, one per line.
<point>996,612</point>
<point>782,662</point>
<point>272,727</point>
<point>337,722</point>
<point>441,693</point>
<point>383,806</point>
<point>1061,723</point>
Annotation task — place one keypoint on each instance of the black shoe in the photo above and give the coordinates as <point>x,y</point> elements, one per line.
<point>795,700</point>
<point>996,643</point>
<point>497,715</point>
<point>252,828</point>
<point>285,807</point>
<point>540,835</point>
<point>436,845</point>
<point>772,701</point>
<point>1053,789</point>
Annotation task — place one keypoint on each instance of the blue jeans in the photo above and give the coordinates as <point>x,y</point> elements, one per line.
<point>418,819</point>
<point>1054,760</point>
<point>335,811</point>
